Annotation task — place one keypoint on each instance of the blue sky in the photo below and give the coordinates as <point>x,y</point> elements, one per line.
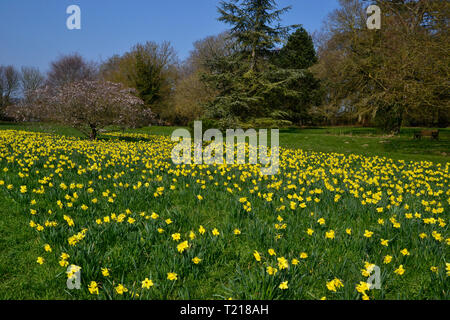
<point>33,32</point>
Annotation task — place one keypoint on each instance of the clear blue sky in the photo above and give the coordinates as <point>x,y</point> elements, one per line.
<point>33,32</point>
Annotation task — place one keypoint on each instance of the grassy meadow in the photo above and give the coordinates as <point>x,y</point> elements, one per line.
<point>140,227</point>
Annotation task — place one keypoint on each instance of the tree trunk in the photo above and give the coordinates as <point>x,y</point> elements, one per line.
<point>396,119</point>
<point>252,65</point>
<point>93,135</point>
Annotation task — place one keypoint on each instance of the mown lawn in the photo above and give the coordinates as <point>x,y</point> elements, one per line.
<point>370,142</point>
<point>273,213</point>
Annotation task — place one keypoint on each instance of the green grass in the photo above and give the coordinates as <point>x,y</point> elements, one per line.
<point>228,269</point>
<point>20,276</point>
<point>369,142</point>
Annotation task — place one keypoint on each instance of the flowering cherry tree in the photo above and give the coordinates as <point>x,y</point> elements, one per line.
<point>86,105</point>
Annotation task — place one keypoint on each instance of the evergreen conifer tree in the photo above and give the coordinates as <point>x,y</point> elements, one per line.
<point>298,53</point>
<point>249,83</point>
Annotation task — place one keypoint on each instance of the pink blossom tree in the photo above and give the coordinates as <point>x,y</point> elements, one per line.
<point>86,105</point>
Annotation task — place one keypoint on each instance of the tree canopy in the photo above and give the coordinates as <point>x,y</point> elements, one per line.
<point>250,84</point>
<point>395,74</point>
<point>150,69</point>
<point>298,53</point>
<point>87,105</point>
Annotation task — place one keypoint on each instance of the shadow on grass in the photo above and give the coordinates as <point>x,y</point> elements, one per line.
<point>117,138</point>
<point>333,130</point>
<point>10,123</point>
<point>105,137</point>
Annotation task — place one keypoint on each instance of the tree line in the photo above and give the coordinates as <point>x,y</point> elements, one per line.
<point>258,73</point>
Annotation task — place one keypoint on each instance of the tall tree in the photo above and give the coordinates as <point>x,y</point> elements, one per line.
<point>70,68</point>
<point>397,72</point>
<point>249,85</point>
<point>253,26</point>
<point>298,53</point>
<point>150,68</point>
<point>9,85</point>
<point>191,94</point>
<point>209,49</point>
<point>31,79</point>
